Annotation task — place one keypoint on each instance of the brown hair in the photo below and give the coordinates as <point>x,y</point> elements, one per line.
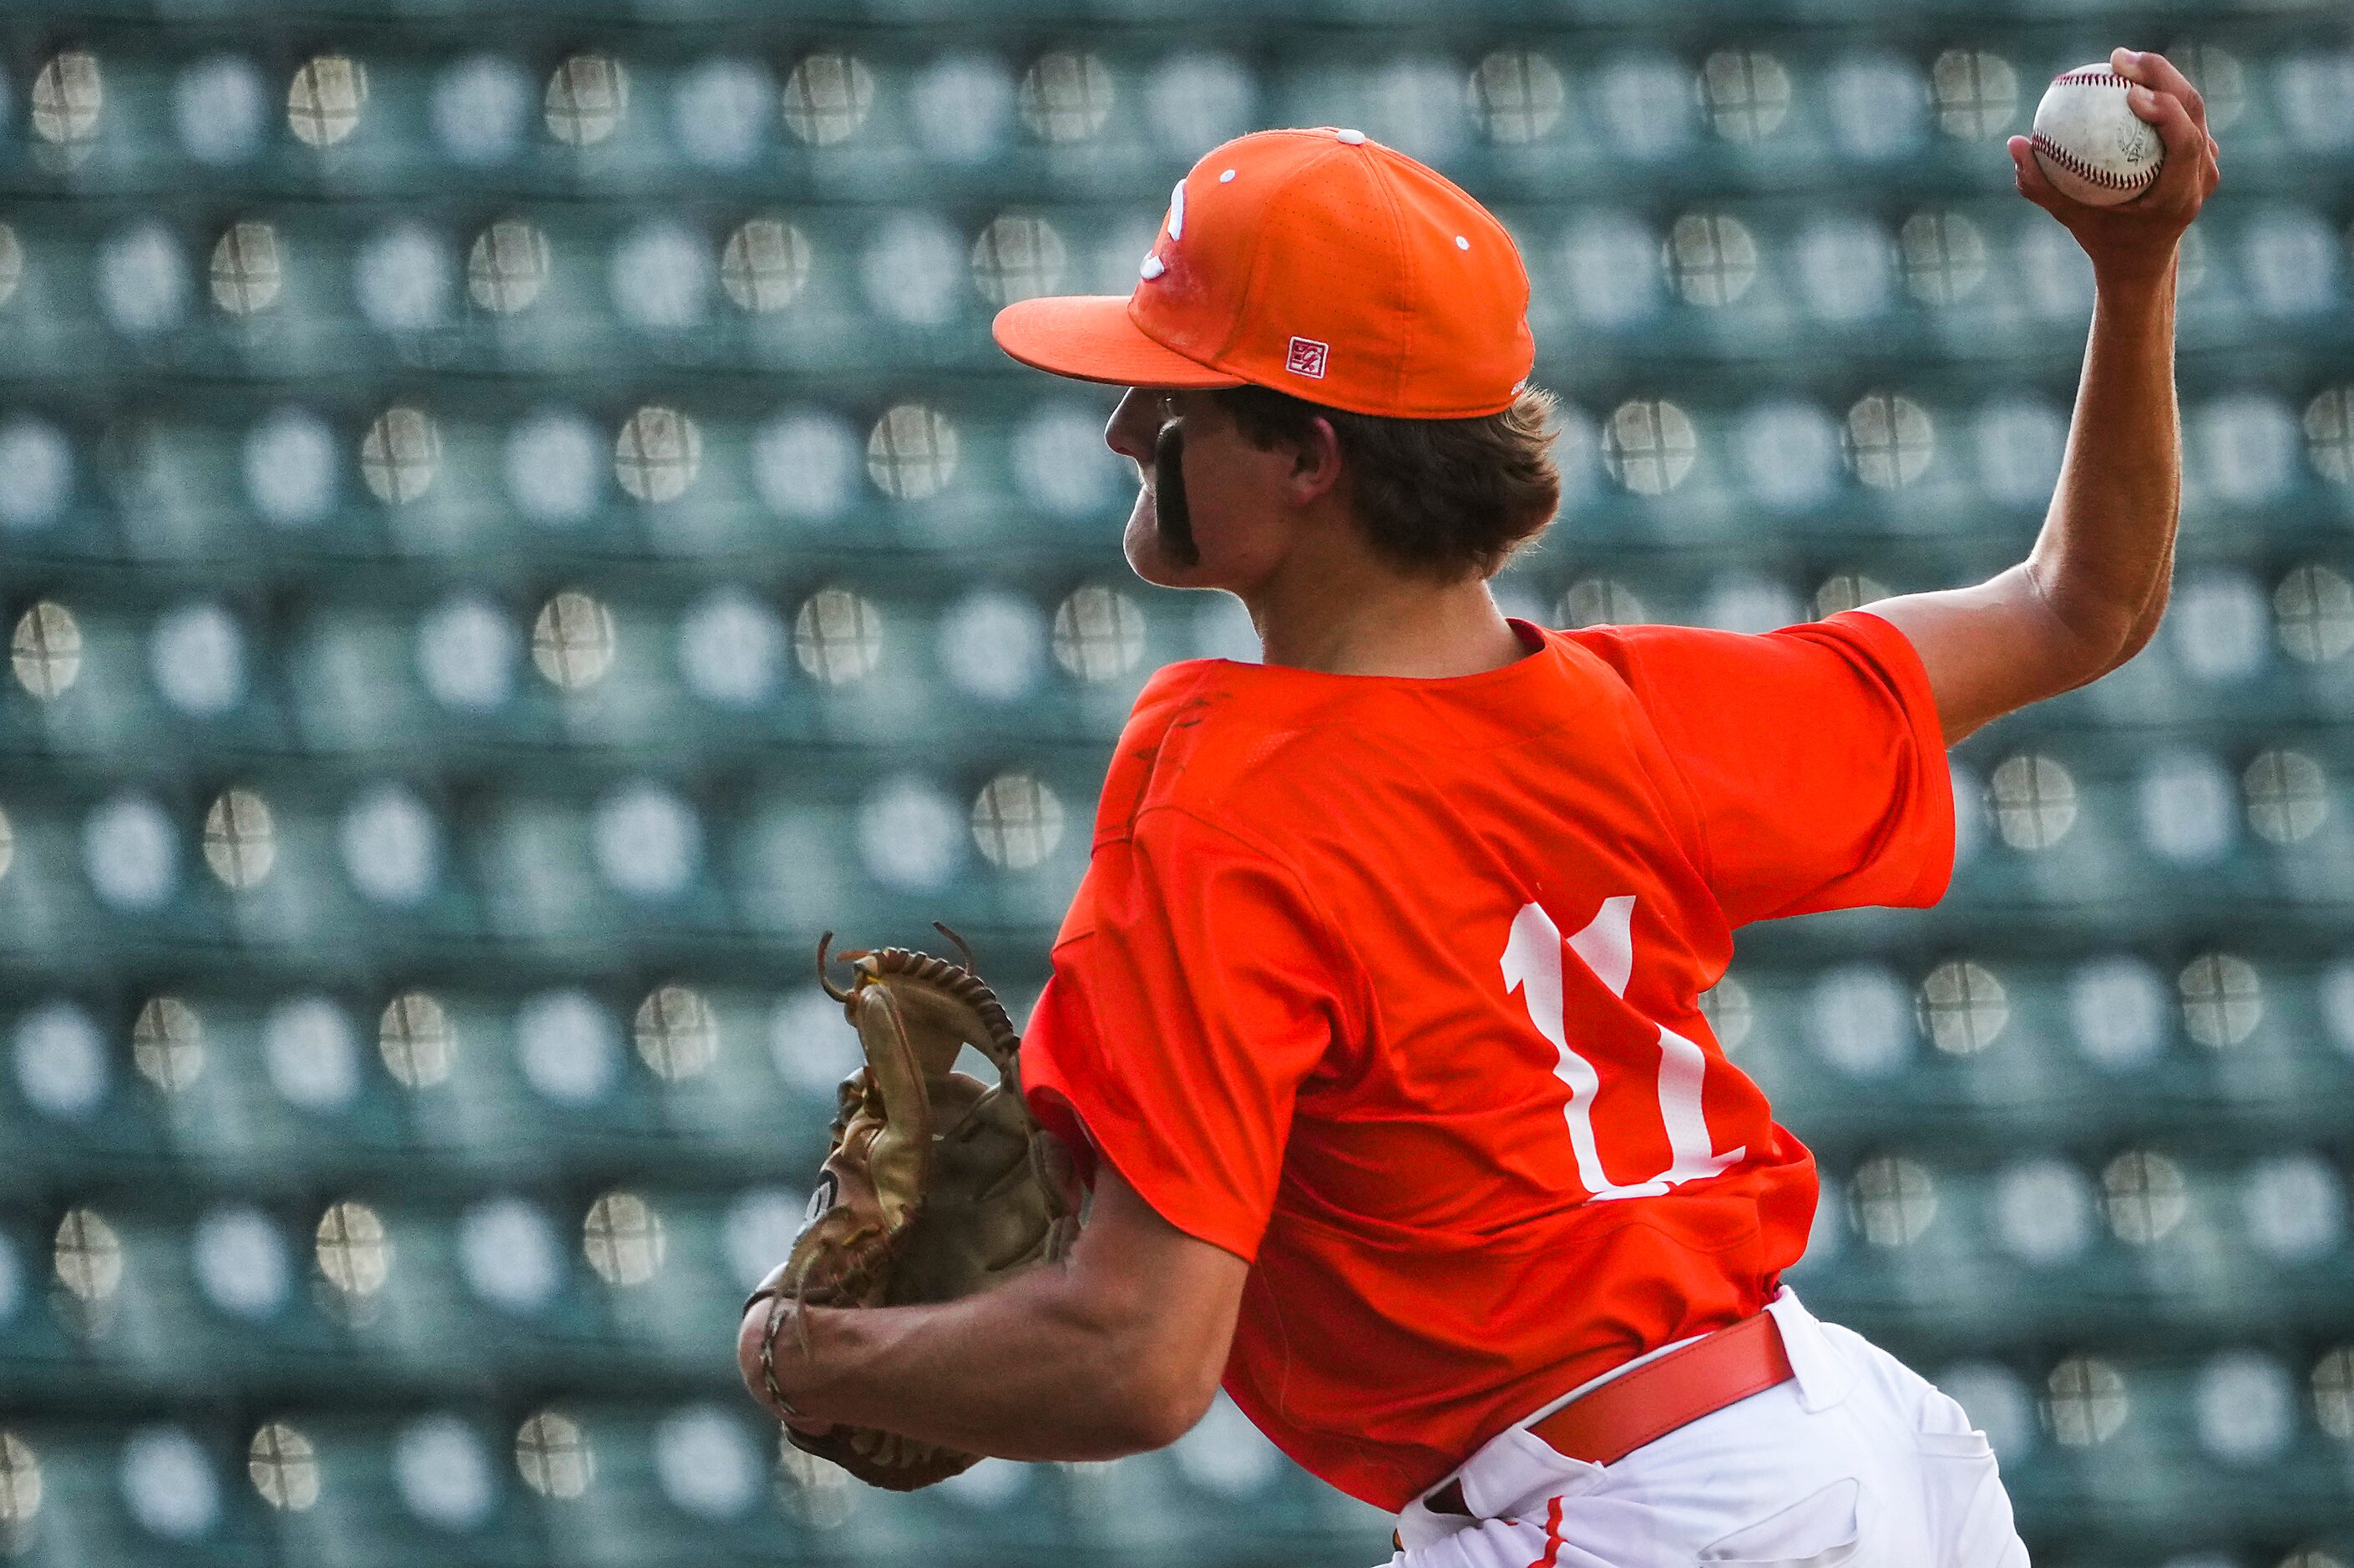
<point>1441,498</point>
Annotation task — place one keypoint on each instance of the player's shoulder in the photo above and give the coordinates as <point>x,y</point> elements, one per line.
<point>1258,749</point>
<point>1216,740</point>
<point>1623,649</point>
<point>1648,655</point>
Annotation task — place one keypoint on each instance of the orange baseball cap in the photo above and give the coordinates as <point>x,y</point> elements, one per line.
<point>1316,262</point>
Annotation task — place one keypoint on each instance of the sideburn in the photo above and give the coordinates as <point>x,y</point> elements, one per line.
<point>1170,518</point>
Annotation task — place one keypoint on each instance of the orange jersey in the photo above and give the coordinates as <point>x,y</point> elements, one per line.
<point>1391,987</point>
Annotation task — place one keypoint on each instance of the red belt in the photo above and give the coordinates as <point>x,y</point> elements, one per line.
<point>1700,1379</point>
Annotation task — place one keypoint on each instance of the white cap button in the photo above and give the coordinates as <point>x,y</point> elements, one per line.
<point>1351,137</point>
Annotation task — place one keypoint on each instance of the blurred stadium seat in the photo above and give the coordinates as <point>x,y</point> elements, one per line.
<point>512,523</point>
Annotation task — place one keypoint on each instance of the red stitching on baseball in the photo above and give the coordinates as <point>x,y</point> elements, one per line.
<point>2103,77</point>
<point>2084,171</point>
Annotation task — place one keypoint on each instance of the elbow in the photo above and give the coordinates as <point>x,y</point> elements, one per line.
<point>2085,637</point>
<point>1145,1315</point>
<point>1151,1406</point>
<point>2144,626</point>
<point>1153,1375</point>
<point>2100,641</point>
<point>2134,642</point>
<point>1172,1406</point>
<point>2116,648</point>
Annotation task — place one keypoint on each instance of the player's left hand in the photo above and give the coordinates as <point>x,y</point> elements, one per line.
<point>2136,239</point>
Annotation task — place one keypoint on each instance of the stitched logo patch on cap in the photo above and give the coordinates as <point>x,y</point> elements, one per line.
<point>1307,357</point>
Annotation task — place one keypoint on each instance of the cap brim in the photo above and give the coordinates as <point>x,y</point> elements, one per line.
<point>1090,338</point>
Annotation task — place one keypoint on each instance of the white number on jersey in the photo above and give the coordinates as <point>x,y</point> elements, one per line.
<point>1533,967</point>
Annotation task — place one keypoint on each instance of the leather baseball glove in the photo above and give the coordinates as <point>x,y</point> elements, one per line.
<point>937,1185</point>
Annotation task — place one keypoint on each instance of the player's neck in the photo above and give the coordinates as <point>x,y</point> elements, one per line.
<point>1370,621</point>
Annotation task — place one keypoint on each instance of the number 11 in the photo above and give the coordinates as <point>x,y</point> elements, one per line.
<point>1532,965</point>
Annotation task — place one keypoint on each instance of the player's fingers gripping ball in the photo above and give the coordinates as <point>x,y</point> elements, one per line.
<point>2090,143</point>
<point>937,1185</point>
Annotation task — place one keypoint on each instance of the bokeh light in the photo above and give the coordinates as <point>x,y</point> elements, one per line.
<point>353,1250</point>
<point>677,1032</point>
<point>241,839</point>
<point>2086,1401</point>
<point>565,1043</point>
<point>169,1484</point>
<point>837,636</point>
<point>283,1466</point>
<point>290,468</point>
<point>1976,92</point>
<point>313,1060</point>
<point>45,652</point>
<point>720,111</point>
<point>586,99</point>
<point>731,647</point>
<point>400,455</point>
<point>167,1044</point>
<point>507,265</point>
<point>324,99</point>
<point>241,1262</point>
<point>510,1254</point>
<point>417,1039</point>
<point>572,641</point>
<point>553,1455</point>
<point>1746,93</point>
<point>1017,821</point>
<point>219,108</point>
<point>466,650</point>
<point>36,472</point>
<point>623,1239</point>
<point>1066,97</point>
<point>764,264</point>
<point>69,94</point>
<point>404,279</point>
<point>443,1472</point>
<point>1098,635</point>
<point>481,106</point>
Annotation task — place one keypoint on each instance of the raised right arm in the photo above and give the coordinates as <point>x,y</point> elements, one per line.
<point>2091,591</point>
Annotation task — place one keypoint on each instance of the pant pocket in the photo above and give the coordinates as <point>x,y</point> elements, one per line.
<point>1816,1532</point>
<point>1969,1512</point>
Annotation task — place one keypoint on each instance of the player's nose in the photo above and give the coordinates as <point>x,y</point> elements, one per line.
<point>1135,424</point>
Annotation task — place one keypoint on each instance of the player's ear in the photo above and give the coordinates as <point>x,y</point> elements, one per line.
<point>1317,461</point>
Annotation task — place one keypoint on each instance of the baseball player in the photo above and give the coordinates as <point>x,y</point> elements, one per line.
<point>1375,1024</point>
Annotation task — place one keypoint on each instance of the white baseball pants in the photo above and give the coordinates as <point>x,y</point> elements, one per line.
<point>1856,1460</point>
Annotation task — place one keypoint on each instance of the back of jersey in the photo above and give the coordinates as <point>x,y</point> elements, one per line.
<point>1393,986</point>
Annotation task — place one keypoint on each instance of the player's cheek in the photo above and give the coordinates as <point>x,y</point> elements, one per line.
<point>1140,539</point>
<point>1144,517</point>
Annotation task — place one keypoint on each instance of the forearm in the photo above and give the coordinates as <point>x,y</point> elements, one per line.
<point>2094,585</point>
<point>1016,1372</point>
<point>2103,560</point>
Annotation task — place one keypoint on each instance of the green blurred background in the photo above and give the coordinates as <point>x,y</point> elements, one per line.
<point>511,521</point>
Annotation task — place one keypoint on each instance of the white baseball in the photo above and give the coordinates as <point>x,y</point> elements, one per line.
<point>2090,143</point>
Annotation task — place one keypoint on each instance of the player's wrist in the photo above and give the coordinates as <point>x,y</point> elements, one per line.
<point>2134,278</point>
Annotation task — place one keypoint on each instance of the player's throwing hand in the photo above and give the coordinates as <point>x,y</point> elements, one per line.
<point>2136,239</point>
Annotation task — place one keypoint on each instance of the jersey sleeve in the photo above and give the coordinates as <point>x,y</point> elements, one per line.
<point>1813,755</point>
<point>1192,994</point>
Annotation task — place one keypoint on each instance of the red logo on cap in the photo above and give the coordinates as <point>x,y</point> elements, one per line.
<point>1307,357</point>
